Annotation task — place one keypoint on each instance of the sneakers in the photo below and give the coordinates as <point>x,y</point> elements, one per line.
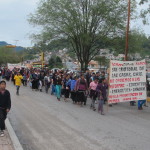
<point>1,133</point>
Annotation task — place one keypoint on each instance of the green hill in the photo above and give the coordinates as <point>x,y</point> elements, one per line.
<point>18,48</point>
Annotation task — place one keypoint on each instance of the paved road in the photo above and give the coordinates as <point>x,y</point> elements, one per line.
<point>43,123</point>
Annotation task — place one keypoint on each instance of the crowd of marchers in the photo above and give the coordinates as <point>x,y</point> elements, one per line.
<point>65,85</point>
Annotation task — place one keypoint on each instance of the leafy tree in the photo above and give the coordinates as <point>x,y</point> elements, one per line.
<point>146,47</point>
<point>102,60</point>
<point>137,43</point>
<point>55,62</point>
<point>82,22</point>
<point>51,63</point>
<point>58,62</point>
<point>8,55</point>
<point>145,13</point>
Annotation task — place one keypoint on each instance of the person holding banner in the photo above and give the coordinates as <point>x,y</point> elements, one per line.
<point>148,87</point>
<point>140,104</point>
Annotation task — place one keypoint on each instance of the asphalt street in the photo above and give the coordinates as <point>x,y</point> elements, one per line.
<point>43,123</point>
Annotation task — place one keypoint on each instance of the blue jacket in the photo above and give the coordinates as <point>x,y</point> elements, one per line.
<point>73,84</point>
<point>68,83</point>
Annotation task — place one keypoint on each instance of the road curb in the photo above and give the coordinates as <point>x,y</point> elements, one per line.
<point>14,138</point>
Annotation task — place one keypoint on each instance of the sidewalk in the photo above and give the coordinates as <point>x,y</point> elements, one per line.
<point>5,142</point>
<point>10,140</point>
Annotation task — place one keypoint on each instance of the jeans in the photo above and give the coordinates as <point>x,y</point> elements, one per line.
<point>53,89</point>
<point>141,102</point>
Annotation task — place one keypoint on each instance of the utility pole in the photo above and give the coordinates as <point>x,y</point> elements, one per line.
<point>16,46</point>
<point>127,32</point>
<point>42,58</point>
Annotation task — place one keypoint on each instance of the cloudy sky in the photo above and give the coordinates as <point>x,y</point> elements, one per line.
<point>14,25</point>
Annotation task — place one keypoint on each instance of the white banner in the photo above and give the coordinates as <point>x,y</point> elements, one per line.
<point>127,81</point>
<point>12,66</point>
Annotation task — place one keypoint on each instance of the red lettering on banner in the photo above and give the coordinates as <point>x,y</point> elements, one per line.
<point>123,80</point>
<point>126,99</point>
<point>114,101</point>
<point>111,81</point>
<point>141,63</point>
<point>135,79</point>
<point>113,96</point>
<point>128,94</point>
<point>117,64</point>
<point>134,98</point>
<point>140,94</point>
<point>117,86</point>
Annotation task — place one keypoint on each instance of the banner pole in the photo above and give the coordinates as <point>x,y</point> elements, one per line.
<point>109,71</point>
<point>146,87</point>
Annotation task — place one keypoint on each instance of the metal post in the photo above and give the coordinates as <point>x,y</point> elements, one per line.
<point>127,32</point>
<point>42,64</point>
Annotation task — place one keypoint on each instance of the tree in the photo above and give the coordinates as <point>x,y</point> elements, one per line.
<point>137,40</point>
<point>8,55</point>
<point>58,62</point>
<point>55,62</point>
<point>82,22</point>
<point>145,13</point>
<point>51,63</point>
<point>102,60</point>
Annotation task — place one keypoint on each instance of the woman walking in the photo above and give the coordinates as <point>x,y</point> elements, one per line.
<point>35,81</point>
<point>67,86</point>
<point>101,90</point>
<point>5,105</point>
<point>47,82</point>
<point>58,86</point>
<point>93,93</point>
<point>81,88</point>
<point>72,88</point>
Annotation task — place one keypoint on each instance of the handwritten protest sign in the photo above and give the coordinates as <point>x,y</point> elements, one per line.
<point>127,81</point>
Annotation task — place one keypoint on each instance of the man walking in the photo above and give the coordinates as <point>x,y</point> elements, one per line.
<point>18,79</point>
<point>5,105</point>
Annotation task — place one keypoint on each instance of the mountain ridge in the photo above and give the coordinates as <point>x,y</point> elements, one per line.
<point>17,48</point>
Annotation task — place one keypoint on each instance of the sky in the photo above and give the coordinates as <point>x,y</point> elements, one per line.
<point>15,29</point>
